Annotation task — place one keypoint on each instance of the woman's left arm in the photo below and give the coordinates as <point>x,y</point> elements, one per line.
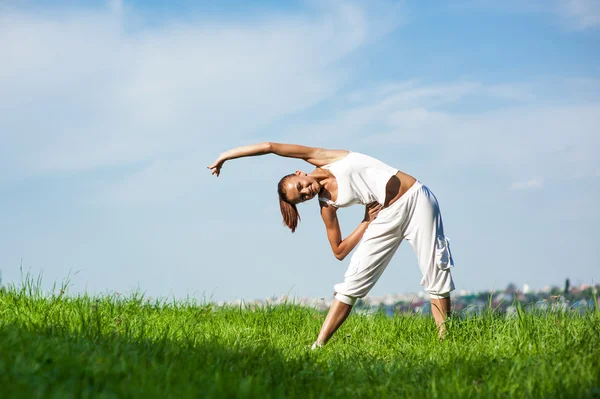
<point>312,155</point>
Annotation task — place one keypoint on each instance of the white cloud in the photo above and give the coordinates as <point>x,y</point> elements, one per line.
<point>162,180</point>
<point>577,14</point>
<point>530,135</point>
<point>116,6</point>
<point>391,105</point>
<point>529,184</point>
<point>582,14</point>
<point>82,89</point>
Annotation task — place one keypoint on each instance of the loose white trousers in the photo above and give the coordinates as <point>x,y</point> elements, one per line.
<point>415,217</point>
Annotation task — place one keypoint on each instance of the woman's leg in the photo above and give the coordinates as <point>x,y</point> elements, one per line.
<point>440,309</point>
<point>425,232</point>
<point>371,257</point>
<point>338,312</point>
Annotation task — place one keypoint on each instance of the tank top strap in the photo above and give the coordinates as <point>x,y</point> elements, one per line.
<point>327,201</point>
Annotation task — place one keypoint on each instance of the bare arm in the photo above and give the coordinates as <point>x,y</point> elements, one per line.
<point>312,155</point>
<point>341,248</point>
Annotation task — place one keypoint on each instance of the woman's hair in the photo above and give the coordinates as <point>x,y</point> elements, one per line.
<point>288,211</point>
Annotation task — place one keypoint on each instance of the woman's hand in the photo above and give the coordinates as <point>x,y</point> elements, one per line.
<point>215,168</point>
<point>371,211</point>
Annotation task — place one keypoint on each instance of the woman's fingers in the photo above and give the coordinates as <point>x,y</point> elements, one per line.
<point>216,164</point>
<point>375,208</point>
<point>374,205</point>
<point>371,210</point>
<point>214,170</point>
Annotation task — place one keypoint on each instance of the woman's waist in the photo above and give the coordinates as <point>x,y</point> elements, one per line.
<point>397,186</point>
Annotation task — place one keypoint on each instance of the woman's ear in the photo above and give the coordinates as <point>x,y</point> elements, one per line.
<point>300,173</point>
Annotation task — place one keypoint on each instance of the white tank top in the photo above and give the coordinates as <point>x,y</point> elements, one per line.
<point>361,179</point>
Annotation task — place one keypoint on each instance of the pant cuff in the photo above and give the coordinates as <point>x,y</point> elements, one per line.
<point>348,300</point>
<point>439,296</point>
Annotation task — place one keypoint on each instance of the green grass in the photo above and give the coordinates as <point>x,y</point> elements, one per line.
<point>61,346</point>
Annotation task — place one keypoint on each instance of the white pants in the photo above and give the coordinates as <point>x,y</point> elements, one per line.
<point>415,217</point>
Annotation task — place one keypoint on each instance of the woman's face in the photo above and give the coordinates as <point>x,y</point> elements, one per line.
<point>301,187</point>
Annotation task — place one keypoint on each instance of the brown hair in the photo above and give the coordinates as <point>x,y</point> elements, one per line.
<point>290,214</point>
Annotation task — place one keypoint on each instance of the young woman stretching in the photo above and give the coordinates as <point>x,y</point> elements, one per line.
<point>397,207</point>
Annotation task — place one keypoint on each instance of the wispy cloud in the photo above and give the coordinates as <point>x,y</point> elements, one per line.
<point>530,134</point>
<point>529,184</point>
<point>577,14</point>
<point>82,89</point>
<point>116,6</point>
<point>582,14</point>
<point>444,127</point>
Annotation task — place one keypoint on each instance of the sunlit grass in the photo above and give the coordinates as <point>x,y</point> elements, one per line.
<point>56,345</point>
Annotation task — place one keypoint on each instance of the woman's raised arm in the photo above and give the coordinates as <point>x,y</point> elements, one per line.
<point>312,155</point>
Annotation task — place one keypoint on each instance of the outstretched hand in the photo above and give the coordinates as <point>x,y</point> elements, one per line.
<point>215,168</point>
<point>371,211</point>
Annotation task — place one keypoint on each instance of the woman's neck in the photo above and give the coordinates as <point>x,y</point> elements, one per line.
<point>324,177</point>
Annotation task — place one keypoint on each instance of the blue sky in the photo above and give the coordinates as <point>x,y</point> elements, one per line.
<point>110,112</point>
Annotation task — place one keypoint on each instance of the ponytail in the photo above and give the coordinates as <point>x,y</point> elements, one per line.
<point>289,212</point>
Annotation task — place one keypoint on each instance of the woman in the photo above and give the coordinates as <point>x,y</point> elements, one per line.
<point>397,207</point>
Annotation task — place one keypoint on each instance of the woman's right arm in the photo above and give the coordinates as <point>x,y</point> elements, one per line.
<point>312,155</point>
<point>341,248</point>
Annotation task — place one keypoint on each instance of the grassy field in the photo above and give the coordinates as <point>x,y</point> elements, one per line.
<point>60,346</point>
